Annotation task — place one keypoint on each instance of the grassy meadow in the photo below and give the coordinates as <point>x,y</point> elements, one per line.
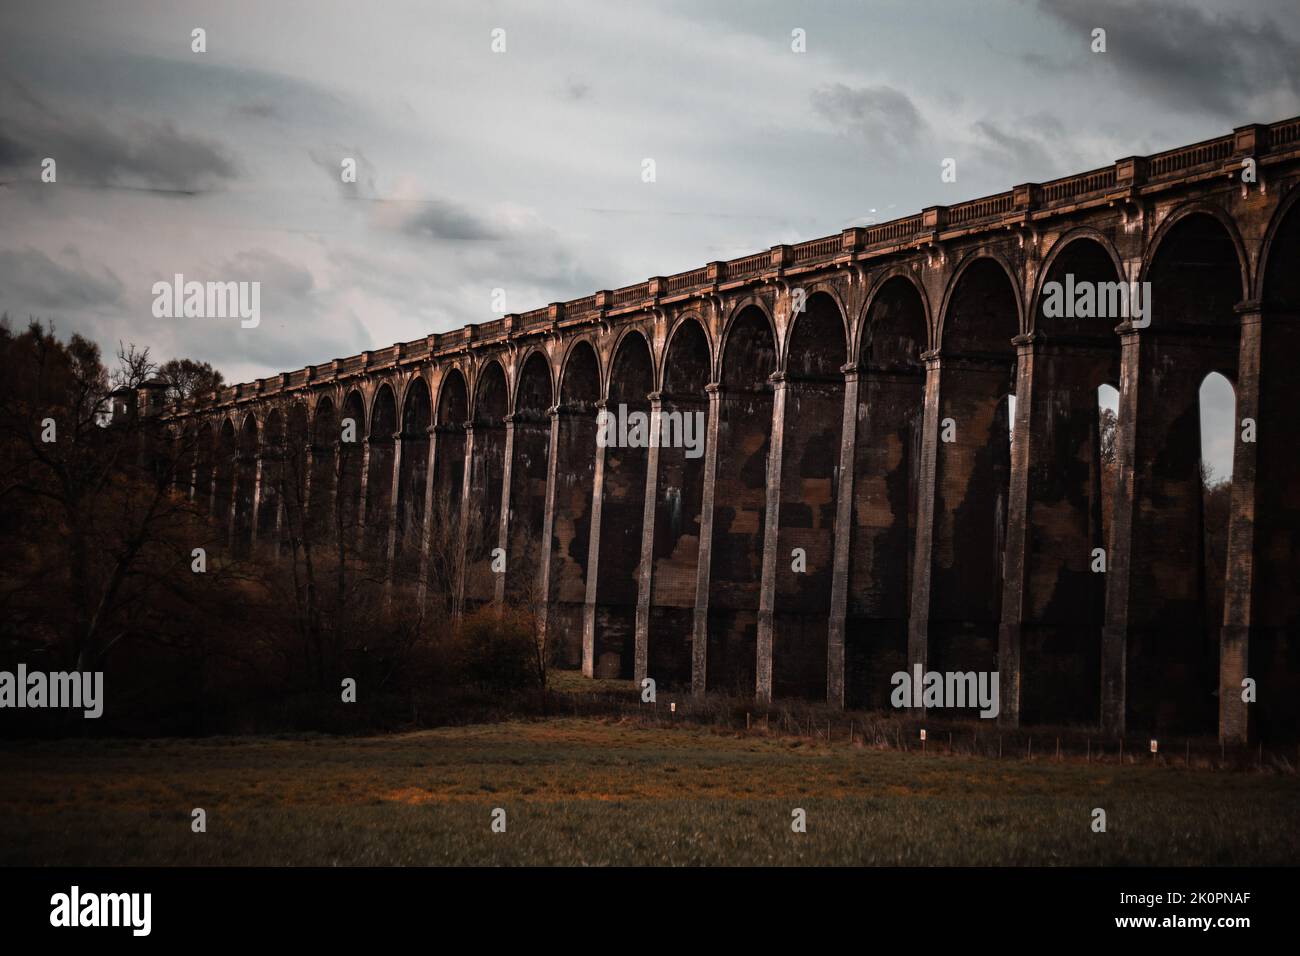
<point>598,791</point>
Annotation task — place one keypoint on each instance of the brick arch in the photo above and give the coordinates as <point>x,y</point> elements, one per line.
<point>1264,530</point>
<point>871,319</point>
<point>566,366</point>
<point>616,539</point>
<point>1200,291</point>
<point>819,287</point>
<point>347,396</point>
<point>325,394</point>
<point>1059,247</point>
<point>406,387</point>
<point>351,457</point>
<point>324,402</point>
<point>737,309</point>
<point>298,421</point>
<point>574,444</point>
<point>971,260</point>
<point>1167,639</point>
<point>415,416</point>
<point>1186,210</point>
<point>617,353</point>
<point>442,408</point>
<point>274,420</point>
<point>484,379</point>
<point>384,387</point>
<point>685,320</point>
<point>1289,206</point>
<point>204,450</point>
<point>801,325</point>
<point>801,482</point>
<point>243,513</point>
<point>481,521</point>
<point>902,272</point>
<point>225,443</point>
<point>250,416</point>
<point>678,323</point>
<point>275,444</point>
<point>227,422</point>
<point>665,626</point>
<point>524,522</point>
<point>521,370</point>
<point>415,406</point>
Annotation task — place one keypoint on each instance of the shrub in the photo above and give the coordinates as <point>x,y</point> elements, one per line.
<point>496,650</point>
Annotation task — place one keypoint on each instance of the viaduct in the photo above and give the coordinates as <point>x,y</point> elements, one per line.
<point>870,429</point>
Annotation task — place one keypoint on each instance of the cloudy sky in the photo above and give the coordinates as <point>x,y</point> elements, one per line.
<point>521,170</point>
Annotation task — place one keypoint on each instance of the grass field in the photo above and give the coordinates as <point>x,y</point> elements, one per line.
<point>603,792</point>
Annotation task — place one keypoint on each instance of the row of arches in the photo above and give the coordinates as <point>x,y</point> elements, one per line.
<point>829,535</point>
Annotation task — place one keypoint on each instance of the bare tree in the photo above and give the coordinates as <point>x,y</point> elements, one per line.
<point>134,366</point>
<point>112,491</point>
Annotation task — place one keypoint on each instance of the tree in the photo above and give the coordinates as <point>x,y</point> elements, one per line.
<point>531,605</point>
<point>134,366</point>
<point>186,378</point>
<point>1109,424</point>
<point>94,520</point>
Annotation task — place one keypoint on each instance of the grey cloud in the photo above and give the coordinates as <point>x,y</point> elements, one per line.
<point>133,152</point>
<point>575,89</point>
<point>281,279</point>
<point>1184,56</point>
<point>31,280</point>
<point>293,312</point>
<point>880,115</point>
<point>257,109</point>
<point>442,219</point>
<point>1022,154</point>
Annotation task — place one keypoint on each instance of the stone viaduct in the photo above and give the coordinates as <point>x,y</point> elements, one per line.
<point>870,429</point>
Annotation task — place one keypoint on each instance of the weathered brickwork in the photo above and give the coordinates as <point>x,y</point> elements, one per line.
<point>865,498</point>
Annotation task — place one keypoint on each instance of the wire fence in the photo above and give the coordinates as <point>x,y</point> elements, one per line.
<point>913,733</point>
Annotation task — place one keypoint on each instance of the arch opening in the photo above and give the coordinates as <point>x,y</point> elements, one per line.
<point>379,472</point>
<point>575,470</point>
<point>1216,405</point>
<point>224,476</point>
<point>487,474</point>
<point>246,457</point>
<point>445,547</point>
<point>530,448</point>
<point>413,471</point>
<point>324,452</point>
<point>1164,603</point>
<point>203,462</point>
<point>811,426</point>
<point>887,447</point>
<point>350,466</point>
<point>1272,623</point>
<point>972,454</point>
<point>679,502</point>
<point>294,478</point>
<point>275,441</point>
<point>1054,589</point>
<point>740,502</point>
<point>625,438</point>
